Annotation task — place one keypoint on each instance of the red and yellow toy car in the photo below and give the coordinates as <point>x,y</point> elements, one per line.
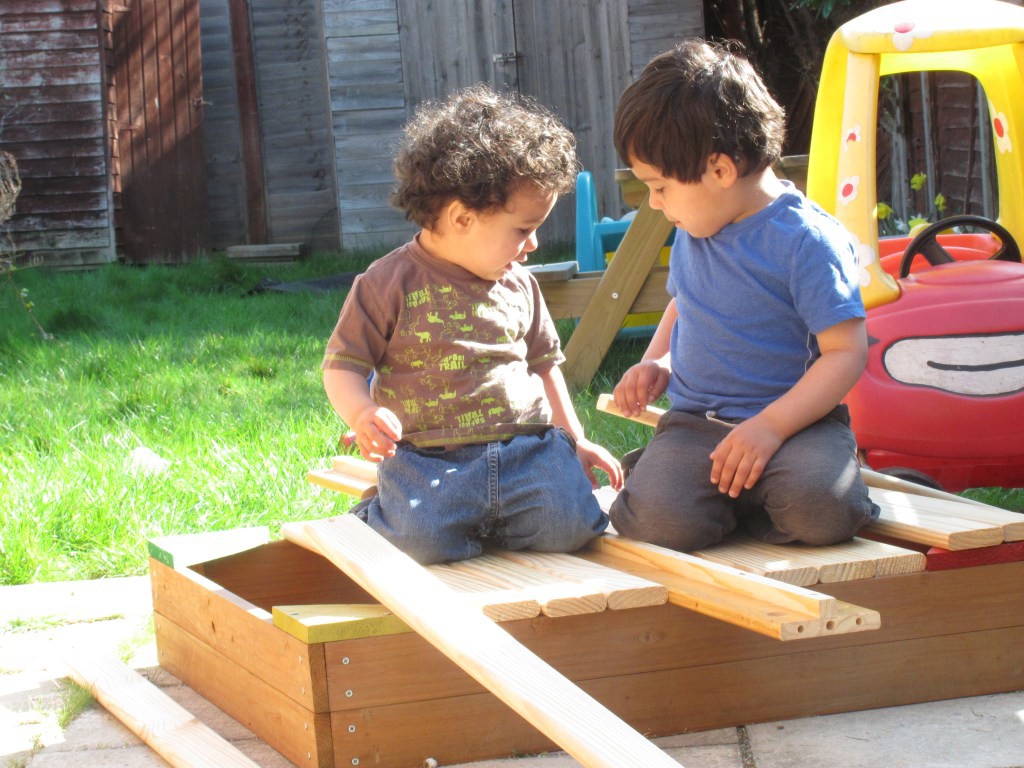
<point>942,399</point>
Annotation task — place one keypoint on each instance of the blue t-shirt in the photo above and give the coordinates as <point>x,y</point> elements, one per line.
<point>751,299</point>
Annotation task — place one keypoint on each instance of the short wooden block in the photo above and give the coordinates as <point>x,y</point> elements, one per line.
<point>269,252</point>
<point>327,623</point>
<point>554,273</point>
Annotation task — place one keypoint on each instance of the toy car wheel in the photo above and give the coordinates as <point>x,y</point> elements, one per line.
<point>912,476</point>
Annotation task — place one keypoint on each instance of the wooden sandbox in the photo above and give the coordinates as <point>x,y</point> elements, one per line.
<point>284,641</point>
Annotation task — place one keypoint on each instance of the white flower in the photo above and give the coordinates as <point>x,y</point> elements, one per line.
<point>1001,128</point>
<point>850,136</point>
<point>848,189</point>
<point>905,32</point>
<point>866,256</point>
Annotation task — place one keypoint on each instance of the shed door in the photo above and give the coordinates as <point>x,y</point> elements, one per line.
<point>158,99</point>
<point>450,44</point>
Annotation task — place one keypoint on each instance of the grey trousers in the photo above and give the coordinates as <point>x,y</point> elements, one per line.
<point>811,491</point>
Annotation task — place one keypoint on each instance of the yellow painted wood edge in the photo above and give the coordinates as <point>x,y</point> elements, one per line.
<point>326,623</point>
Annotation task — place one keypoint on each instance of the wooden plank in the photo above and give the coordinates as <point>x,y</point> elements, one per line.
<point>494,598</point>
<point>744,611</point>
<point>906,521</point>
<point>705,572</point>
<point>297,733</point>
<point>571,298</point>
<point>556,596</point>
<point>854,559</point>
<point>173,732</point>
<point>1011,523</point>
<point>554,273</point>
<point>550,702</point>
<point>621,590</point>
<point>359,468</point>
<point>737,553</point>
<point>334,480</point>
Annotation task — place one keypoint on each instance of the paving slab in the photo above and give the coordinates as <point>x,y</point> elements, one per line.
<point>975,732</point>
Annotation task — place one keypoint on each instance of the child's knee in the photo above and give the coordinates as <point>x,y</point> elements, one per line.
<point>666,525</point>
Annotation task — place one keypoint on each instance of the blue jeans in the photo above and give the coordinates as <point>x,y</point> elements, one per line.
<point>440,505</point>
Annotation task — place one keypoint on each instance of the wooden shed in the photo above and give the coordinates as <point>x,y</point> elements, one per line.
<point>306,98</point>
<point>101,105</point>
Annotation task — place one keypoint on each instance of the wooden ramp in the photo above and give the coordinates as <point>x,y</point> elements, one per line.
<point>546,699</point>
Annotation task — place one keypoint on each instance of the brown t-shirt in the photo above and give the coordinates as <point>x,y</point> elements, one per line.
<point>455,357</point>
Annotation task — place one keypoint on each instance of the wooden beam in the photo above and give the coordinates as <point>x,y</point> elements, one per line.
<point>169,729</point>
<point>756,615</point>
<point>734,581</point>
<point>549,701</point>
<point>626,274</point>
<point>251,139</point>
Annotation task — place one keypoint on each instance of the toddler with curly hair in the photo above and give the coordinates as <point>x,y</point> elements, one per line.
<point>467,413</point>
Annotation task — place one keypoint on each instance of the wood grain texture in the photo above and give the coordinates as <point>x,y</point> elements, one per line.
<point>550,702</point>
<point>170,730</point>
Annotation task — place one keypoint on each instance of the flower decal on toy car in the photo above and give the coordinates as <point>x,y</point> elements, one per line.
<point>975,365</point>
<point>848,189</point>
<point>851,136</point>
<point>905,32</point>
<point>867,258</point>
<point>1001,129</point>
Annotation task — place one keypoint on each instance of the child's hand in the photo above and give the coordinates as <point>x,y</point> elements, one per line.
<point>640,386</point>
<point>592,455</point>
<point>377,431</point>
<point>739,459</point>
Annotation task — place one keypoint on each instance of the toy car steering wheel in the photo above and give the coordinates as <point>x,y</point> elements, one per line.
<point>926,242</point>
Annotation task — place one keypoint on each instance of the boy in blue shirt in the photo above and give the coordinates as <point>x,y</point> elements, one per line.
<point>764,335</point>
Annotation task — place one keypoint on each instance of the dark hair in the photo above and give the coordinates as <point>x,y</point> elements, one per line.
<point>480,147</point>
<point>696,100</point>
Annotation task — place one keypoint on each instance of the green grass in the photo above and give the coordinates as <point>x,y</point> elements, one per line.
<point>223,388</point>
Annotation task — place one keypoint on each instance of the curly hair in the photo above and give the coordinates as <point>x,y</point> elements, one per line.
<point>479,147</point>
<point>696,100</point>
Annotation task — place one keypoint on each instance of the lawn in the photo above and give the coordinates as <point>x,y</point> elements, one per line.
<point>168,400</point>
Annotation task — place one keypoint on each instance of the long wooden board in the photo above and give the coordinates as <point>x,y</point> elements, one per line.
<point>549,701</point>
<point>169,729</point>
